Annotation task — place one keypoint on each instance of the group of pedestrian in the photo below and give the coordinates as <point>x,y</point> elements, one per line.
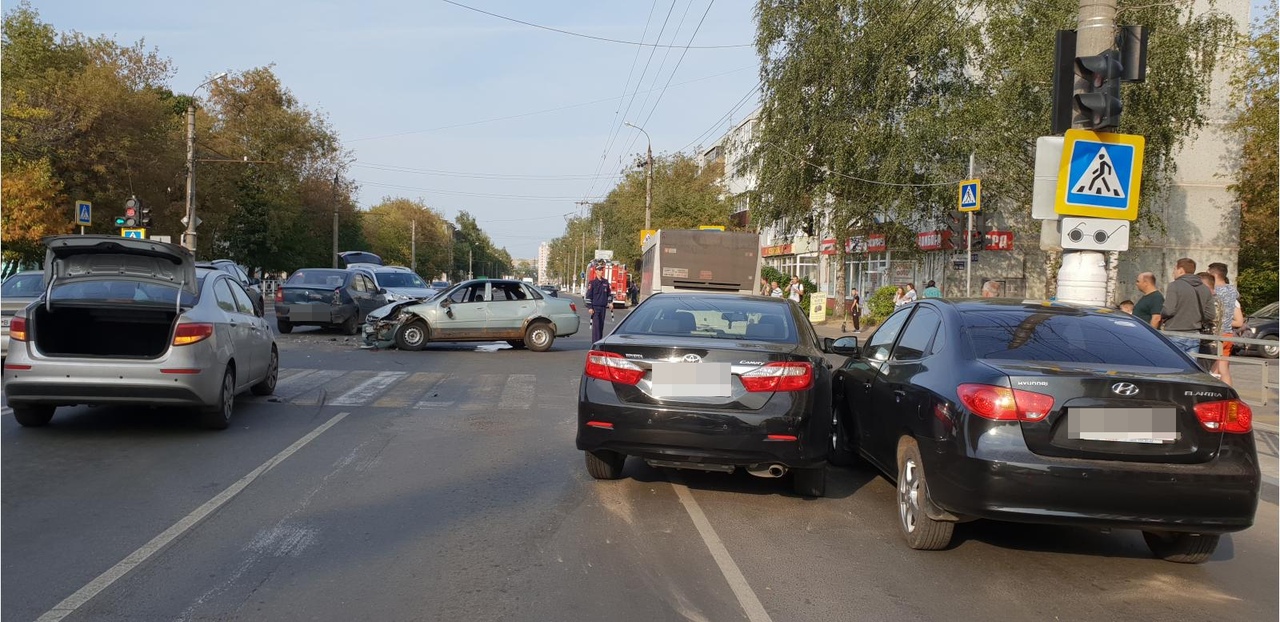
<point>1204,302</point>
<point>794,291</point>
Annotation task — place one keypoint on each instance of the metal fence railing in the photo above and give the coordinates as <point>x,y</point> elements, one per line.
<point>1268,386</point>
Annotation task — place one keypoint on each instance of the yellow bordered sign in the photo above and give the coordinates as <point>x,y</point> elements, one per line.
<point>970,196</point>
<point>1100,175</point>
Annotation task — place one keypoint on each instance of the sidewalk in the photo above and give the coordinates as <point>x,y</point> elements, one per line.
<point>1265,424</point>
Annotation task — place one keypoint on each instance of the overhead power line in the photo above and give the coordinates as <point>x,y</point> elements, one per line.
<point>392,168</point>
<point>679,62</point>
<point>861,179</point>
<point>724,117</point>
<point>517,197</point>
<point>593,37</point>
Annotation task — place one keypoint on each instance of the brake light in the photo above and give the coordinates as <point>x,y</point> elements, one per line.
<point>279,294</point>
<point>573,307</point>
<point>612,367</point>
<point>188,333</point>
<point>781,376</point>
<point>603,425</point>
<point>18,329</point>
<point>1003,403</point>
<point>1230,416</point>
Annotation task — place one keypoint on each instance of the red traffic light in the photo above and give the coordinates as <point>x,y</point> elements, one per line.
<point>130,212</point>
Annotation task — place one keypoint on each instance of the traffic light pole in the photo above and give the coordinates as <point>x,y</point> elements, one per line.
<point>189,236</point>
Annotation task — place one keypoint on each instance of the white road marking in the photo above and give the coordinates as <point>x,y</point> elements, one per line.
<point>751,604</point>
<point>6,411</point>
<point>518,392</point>
<point>366,390</point>
<point>113,574</point>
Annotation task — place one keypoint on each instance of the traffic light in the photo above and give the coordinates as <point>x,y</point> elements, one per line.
<point>120,222</point>
<point>131,212</point>
<point>1100,105</point>
<point>144,212</point>
<point>956,222</point>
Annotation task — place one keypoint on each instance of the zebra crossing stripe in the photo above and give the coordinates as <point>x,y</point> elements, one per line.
<point>339,385</point>
<point>408,391</point>
<point>517,392</point>
<point>366,390</point>
<point>468,393</point>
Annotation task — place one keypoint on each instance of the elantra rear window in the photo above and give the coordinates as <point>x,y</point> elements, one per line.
<point>719,318</point>
<point>1021,335</point>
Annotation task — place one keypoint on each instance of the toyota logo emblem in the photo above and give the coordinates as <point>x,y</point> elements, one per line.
<point>1124,388</point>
<point>692,358</point>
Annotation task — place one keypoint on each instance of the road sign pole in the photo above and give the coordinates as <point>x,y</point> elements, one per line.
<point>968,236</point>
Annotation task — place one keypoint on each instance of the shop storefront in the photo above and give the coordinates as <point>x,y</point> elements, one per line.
<point>797,258</point>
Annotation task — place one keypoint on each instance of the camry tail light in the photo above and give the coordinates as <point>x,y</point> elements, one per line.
<point>1004,404</point>
<point>18,329</point>
<point>1230,416</point>
<point>781,376</point>
<point>612,367</point>
<point>279,294</point>
<point>192,332</point>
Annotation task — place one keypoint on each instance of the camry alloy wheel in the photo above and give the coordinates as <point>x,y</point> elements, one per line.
<point>909,494</point>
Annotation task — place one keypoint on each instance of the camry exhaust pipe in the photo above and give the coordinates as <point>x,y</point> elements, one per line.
<point>769,470</point>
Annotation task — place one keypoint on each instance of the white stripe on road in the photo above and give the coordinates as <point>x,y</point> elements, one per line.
<point>6,411</point>
<point>113,574</point>
<point>366,390</point>
<point>518,391</point>
<point>751,604</point>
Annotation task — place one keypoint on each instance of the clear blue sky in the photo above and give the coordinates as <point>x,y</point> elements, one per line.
<point>391,75</point>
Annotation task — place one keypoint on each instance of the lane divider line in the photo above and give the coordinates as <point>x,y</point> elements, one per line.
<point>747,598</point>
<point>114,573</point>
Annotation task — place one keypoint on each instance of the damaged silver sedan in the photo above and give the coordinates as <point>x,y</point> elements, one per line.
<point>479,310</point>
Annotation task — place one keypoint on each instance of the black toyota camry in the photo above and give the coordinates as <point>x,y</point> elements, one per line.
<point>711,382</point>
<point>1046,413</point>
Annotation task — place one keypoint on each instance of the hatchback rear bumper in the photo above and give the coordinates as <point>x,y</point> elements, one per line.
<point>1213,497</point>
<point>56,381</point>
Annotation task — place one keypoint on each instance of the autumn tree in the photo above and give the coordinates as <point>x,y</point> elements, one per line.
<point>1256,181</point>
<point>474,252</point>
<point>390,230</point>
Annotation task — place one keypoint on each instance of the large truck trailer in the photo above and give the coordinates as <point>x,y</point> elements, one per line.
<point>701,260</point>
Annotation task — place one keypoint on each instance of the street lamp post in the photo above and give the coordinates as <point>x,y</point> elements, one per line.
<point>336,175</point>
<point>189,236</point>
<point>648,181</point>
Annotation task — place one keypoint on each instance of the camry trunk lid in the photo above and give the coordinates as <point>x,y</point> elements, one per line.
<point>705,373</point>
<point>1108,412</point>
<point>82,258</point>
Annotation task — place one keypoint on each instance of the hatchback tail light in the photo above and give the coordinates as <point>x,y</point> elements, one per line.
<point>612,367</point>
<point>1230,416</point>
<point>337,296</point>
<point>1004,404</point>
<point>18,329</point>
<point>188,333</point>
<point>781,376</point>
<point>279,294</point>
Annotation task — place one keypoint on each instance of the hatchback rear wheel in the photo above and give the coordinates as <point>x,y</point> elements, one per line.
<point>218,416</point>
<point>922,533</point>
<point>1183,548</point>
<point>351,325</point>
<point>33,416</point>
<point>268,384</point>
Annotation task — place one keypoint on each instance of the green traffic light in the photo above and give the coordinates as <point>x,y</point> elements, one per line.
<point>119,221</point>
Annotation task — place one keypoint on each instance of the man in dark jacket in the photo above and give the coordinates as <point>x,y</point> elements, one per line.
<point>599,298</point>
<point>1188,306</point>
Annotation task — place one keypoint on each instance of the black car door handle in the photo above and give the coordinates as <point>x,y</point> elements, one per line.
<point>866,385</point>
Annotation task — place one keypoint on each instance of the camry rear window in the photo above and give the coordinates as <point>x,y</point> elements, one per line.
<point>711,317</point>
<point>1058,337</point>
<point>119,291</point>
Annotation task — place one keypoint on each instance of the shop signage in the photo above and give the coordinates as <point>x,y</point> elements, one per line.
<point>933,240</point>
<point>876,243</point>
<point>1000,241</point>
<point>852,245</point>
<point>775,250</point>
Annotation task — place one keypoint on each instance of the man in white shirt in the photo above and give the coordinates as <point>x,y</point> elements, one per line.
<point>795,290</point>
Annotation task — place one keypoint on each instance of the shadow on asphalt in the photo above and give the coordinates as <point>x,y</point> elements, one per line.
<point>841,483</point>
<point>1125,543</point>
<point>139,421</point>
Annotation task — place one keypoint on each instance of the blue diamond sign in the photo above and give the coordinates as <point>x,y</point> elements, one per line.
<point>970,198</point>
<point>1100,175</point>
<point>84,211</point>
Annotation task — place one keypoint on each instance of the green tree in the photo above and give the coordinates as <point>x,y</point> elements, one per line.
<point>390,230</point>
<point>1254,86</point>
<point>474,252</point>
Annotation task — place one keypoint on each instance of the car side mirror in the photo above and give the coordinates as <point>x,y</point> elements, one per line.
<point>446,303</point>
<point>844,346</point>
<point>253,281</point>
<point>382,291</point>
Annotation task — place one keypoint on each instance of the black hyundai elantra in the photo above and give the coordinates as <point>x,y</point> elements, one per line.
<point>712,382</point>
<point>1045,413</point>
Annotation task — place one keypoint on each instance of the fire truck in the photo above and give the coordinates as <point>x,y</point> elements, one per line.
<point>616,274</point>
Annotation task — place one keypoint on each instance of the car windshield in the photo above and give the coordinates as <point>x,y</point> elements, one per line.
<point>1021,335</point>
<point>400,279</point>
<point>1269,312</point>
<point>318,278</point>
<point>22,286</point>
<point>110,290</point>
<point>720,318</point>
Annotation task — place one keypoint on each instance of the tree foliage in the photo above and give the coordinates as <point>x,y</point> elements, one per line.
<point>390,230</point>
<point>474,253</point>
<point>1256,182</point>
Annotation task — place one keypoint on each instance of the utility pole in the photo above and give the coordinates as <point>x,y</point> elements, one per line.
<point>413,245</point>
<point>599,234</point>
<point>471,257</point>
<point>968,236</point>
<point>335,220</point>
<point>189,236</point>
<point>648,184</point>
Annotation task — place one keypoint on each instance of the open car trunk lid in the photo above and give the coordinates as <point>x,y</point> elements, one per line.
<point>77,258</point>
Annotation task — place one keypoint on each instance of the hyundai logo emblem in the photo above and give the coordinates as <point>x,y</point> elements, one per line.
<point>692,358</point>
<point>1124,388</point>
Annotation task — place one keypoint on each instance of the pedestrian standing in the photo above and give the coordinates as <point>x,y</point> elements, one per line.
<point>1188,306</point>
<point>899,297</point>
<point>1230,313</point>
<point>855,308</point>
<point>599,297</point>
<point>911,294</point>
<point>795,291</point>
<point>1148,306</point>
<point>931,290</point>
<point>775,291</point>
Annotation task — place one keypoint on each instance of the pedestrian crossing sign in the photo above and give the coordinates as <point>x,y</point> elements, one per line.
<point>970,195</point>
<point>1100,175</point>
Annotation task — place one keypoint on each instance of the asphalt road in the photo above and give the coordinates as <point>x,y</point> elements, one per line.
<point>444,485</point>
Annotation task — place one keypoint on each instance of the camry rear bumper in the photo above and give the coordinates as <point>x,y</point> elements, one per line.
<point>1213,497</point>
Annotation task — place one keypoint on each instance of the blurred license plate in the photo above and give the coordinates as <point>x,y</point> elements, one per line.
<point>691,380</point>
<point>4,322</point>
<point>1126,425</point>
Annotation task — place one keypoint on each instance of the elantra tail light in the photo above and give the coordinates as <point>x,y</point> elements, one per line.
<point>612,367</point>
<point>191,332</point>
<point>780,376</point>
<point>1230,416</point>
<point>1004,404</point>
<point>18,329</point>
